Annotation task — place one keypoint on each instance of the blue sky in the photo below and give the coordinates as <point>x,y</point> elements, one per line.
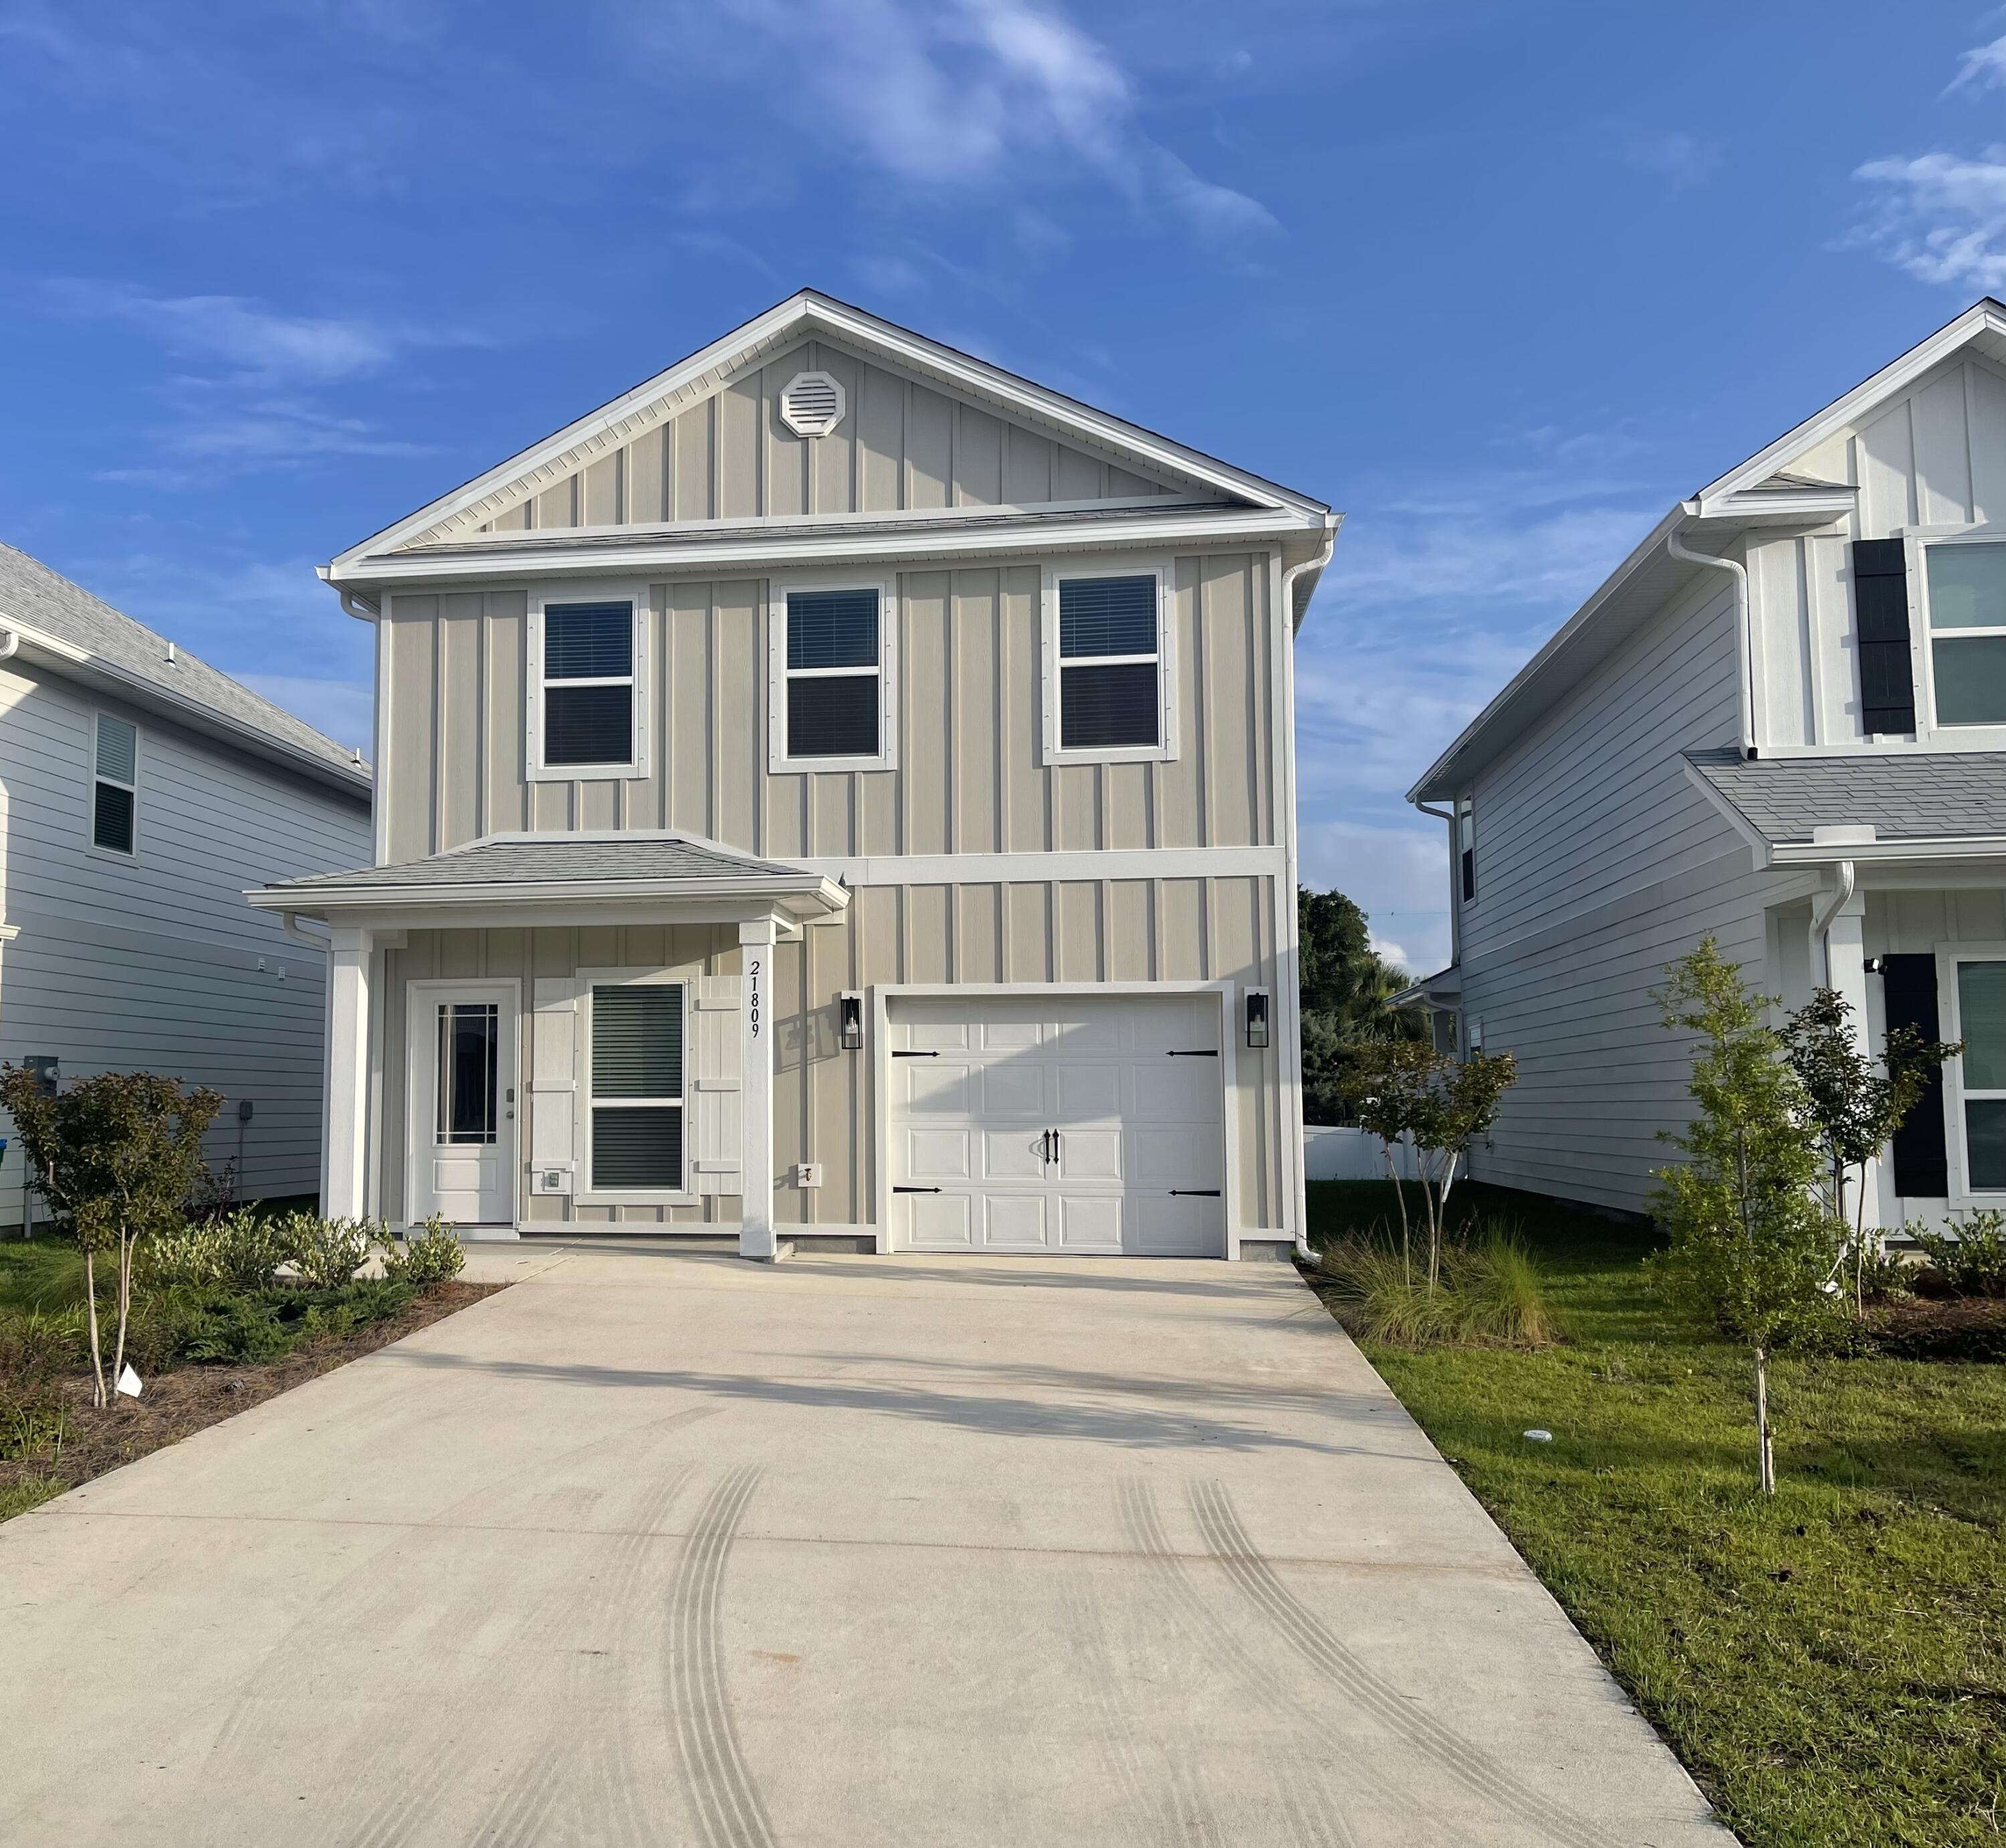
<point>1500,281</point>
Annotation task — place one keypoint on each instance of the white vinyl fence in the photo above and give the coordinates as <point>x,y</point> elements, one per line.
<point>1345,1154</point>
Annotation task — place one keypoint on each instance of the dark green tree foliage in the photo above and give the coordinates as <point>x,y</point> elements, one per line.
<point>1347,989</point>
<point>120,1154</point>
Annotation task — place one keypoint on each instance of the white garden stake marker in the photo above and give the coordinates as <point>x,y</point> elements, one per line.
<point>129,1382</point>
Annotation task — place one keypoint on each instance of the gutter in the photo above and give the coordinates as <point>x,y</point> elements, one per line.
<point>1744,670</point>
<point>1293,1062</point>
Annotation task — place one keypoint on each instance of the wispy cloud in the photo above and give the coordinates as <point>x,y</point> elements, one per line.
<point>1942,217</point>
<point>1682,161</point>
<point>344,709</point>
<point>1983,68</point>
<point>942,93</point>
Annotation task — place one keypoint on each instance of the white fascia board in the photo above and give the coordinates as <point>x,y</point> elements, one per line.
<point>795,317</point>
<point>1759,842</point>
<point>813,894</point>
<point>1439,779</point>
<point>1956,847</point>
<point>758,553</point>
<point>1981,317</point>
<point>79,663</point>
<point>1020,868</point>
<point>1780,506</point>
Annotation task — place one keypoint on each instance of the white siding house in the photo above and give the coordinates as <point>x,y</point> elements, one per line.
<point>1781,722</point>
<point>840,792</point>
<point>141,793</point>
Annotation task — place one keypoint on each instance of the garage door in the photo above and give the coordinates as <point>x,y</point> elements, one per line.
<point>1058,1124</point>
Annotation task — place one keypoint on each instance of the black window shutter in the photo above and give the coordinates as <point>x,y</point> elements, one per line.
<point>1881,620</point>
<point>1922,1159</point>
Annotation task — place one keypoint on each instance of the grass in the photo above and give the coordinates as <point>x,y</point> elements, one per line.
<point>1831,1666</point>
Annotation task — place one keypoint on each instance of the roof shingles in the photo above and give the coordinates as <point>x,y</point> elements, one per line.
<point>1904,796</point>
<point>561,860</point>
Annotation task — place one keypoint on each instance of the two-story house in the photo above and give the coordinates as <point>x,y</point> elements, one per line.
<point>140,791</point>
<point>839,792</point>
<point>1782,720</point>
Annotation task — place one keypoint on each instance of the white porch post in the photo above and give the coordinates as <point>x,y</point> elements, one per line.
<point>1844,964</point>
<point>755,1116</point>
<point>344,1156</point>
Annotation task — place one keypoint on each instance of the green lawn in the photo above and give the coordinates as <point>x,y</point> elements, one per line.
<point>1831,1667</point>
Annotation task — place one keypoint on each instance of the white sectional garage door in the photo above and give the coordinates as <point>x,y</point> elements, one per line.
<point>1057,1123</point>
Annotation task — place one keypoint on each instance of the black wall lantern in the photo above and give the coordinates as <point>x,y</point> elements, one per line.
<point>849,1017</point>
<point>1257,1018</point>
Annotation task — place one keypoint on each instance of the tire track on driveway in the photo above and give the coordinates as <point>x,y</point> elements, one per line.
<point>730,1811</point>
<point>1308,1636</point>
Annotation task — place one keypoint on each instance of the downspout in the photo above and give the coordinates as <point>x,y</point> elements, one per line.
<point>290,919</point>
<point>1744,670</point>
<point>1821,922</point>
<point>10,643</point>
<point>1285,904</point>
<point>359,607</point>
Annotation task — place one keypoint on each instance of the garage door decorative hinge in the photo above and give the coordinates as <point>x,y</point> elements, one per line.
<point>915,1190</point>
<point>1196,1193</point>
<point>1204,1053</point>
<point>916,1055</point>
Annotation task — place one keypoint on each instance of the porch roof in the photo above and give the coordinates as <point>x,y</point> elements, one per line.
<point>501,869</point>
<point>1861,805</point>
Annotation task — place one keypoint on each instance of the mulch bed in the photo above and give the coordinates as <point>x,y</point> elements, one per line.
<point>178,1403</point>
<point>1960,1329</point>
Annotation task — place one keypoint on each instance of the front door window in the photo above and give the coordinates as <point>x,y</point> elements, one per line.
<point>1981,1022</point>
<point>470,1043</point>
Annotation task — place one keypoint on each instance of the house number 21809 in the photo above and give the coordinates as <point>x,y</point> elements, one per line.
<point>753,996</point>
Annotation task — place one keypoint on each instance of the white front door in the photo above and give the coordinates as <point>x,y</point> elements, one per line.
<point>461,1043</point>
<point>1083,1124</point>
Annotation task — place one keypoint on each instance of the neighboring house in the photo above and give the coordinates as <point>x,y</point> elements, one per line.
<point>837,791</point>
<point>1782,721</point>
<point>140,792</point>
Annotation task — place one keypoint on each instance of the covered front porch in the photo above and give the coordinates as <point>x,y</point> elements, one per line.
<point>536,1031</point>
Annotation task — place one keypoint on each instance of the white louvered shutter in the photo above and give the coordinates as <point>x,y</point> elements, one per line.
<point>717,1065</point>
<point>554,1073</point>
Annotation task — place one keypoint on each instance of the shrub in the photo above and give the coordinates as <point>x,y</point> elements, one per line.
<point>1489,1292</point>
<point>238,1251</point>
<point>327,1253</point>
<point>428,1256</point>
<point>1969,1260</point>
<point>35,1346</point>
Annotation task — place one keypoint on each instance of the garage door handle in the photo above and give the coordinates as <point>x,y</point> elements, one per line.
<point>915,1190</point>
<point>1196,1193</point>
<point>916,1055</point>
<point>1209,1053</point>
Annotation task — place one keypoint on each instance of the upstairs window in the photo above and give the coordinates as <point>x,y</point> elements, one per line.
<point>832,654</point>
<point>587,716</point>
<point>1108,666</point>
<point>1967,593</point>
<point>115,788</point>
<point>636,1103</point>
<point>1465,849</point>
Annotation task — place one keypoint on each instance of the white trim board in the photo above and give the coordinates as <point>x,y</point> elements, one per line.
<point>1014,869</point>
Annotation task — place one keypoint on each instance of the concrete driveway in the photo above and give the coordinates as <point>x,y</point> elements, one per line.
<point>662,1548</point>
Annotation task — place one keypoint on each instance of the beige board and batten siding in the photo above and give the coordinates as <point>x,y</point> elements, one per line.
<point>902,446</point>
<point>970,777</point>
<point>1597,862</point>
<point>1933,456</point>
<point>978,934</point>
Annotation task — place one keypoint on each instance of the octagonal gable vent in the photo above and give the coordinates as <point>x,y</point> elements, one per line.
<point>812,403</point>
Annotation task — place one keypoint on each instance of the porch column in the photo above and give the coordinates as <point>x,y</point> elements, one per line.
<point>344,1144</point>
<point>755,1104</point>
<point>1844,964</point>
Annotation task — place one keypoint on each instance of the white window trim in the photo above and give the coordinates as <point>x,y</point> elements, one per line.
<point>780,761</point>
<point>1922,640</point>
<point>585,591</point>
<point>588,1194</point>
<point>126,856</point>
<point>1948,955</point>
<point>1165,750</point>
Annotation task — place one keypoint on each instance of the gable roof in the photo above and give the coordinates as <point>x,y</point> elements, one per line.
<point>63,628</point>
<point>1764,490</point>
<point>1163,473</point>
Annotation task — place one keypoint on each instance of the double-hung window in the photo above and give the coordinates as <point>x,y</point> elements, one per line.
<point>831,678</point>
<point>1967,596</point>
<point>1108,679</point>
<point>1981,1025</point>
<point>114,794</point>
<point>634,1107</point>
<point>588,712</point>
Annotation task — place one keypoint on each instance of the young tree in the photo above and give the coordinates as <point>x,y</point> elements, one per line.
<point>1753,1245</point>
<point>1404,1089</point>
<point>120,1154</point>
<point>1856,1108</point>
<point>1347,989</point>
